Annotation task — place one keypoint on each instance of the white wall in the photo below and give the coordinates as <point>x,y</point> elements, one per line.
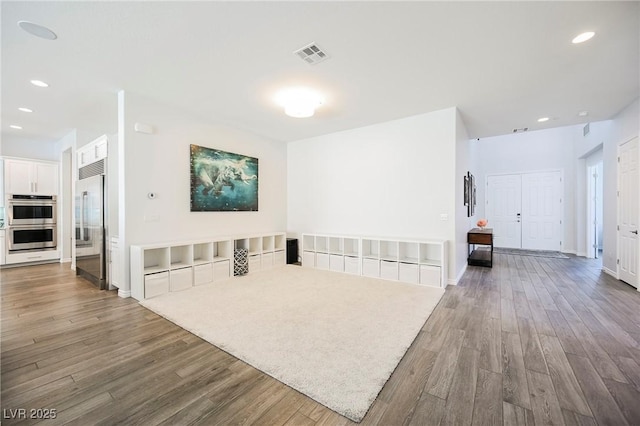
<point>389,179</point>
<point>159,163</point>
<point>25,147</point>
<point>541,150</point>
<point>625,126</point>
<point>464,223</point>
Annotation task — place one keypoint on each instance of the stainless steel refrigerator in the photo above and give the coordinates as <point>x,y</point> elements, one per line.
<point>90,230</point>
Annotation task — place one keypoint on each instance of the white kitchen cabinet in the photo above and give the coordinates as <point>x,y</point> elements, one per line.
<point>92,152</point>
<point>27,177</point>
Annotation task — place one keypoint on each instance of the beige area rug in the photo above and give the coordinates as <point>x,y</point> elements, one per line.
<point>334,337</point>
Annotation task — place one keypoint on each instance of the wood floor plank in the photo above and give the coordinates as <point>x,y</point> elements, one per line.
<point>604,407</point>
<point>531,349</point>
<point>565,334</point>
<point>575,419</point>
<point>460,401</point>
<point>515,415</point>
<point>445,365</point>
<point>514,382</point>
<point>491,345</point>
<point>487,406</point>
<point>509,321</point>
<point>627,399</point>
<point>429,411</point>
<point>401,406</point>
<point>544,401</point>
<point>631,369</point>
<point>541,319</point>
<point>567,388</point>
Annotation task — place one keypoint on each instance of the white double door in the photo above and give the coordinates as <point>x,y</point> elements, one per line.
<point>525,210</point>
<point>628,206</point>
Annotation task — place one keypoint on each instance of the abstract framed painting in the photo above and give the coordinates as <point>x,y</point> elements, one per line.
<point>222,181</point>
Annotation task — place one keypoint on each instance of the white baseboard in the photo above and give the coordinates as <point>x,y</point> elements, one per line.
<point>581,254</point>
<point>569,252</point>
<point>455,281</point>
<point>65,260</point>
<point>608,271</point>
<point>124,293</point>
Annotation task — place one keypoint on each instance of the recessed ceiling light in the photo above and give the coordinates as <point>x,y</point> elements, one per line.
<point>23,109</point>
<point>583,113</point>
<point>581,38</point>
<point>299,102</point>
<point>543,119</point>
<point>39,83</point>
<point>13,126</point>
<point>37,30</point>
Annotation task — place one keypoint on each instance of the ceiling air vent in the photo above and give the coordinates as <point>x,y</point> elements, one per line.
<point>311,54</point>
<point>524,129</point>
<point>585,130</point>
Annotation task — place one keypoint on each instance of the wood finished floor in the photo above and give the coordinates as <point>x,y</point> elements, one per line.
<point>530,341</point>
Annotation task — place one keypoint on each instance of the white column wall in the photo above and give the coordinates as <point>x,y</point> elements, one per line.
<point>395,178</point>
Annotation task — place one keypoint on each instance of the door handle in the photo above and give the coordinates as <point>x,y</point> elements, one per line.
<point>83,207</point>
<point>635,232</point>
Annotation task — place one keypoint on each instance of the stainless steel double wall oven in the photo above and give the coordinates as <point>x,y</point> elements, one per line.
<point>31,222</point>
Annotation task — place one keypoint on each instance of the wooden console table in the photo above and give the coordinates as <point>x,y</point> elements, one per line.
<point>480,256</point>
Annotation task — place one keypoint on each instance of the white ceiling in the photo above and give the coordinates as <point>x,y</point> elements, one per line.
<point>503,64</point>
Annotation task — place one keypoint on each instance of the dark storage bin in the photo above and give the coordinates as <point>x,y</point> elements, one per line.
<point>292,250</point>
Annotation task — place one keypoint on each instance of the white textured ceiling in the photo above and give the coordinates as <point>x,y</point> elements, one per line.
<point>503,64</point>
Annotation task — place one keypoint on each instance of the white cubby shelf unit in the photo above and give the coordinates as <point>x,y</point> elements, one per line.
<point>173,266</point>
<point>412,261</point>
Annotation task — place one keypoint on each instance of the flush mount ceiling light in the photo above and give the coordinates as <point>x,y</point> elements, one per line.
<point>581,38</point>
<point>39,83</point>
<point>583,113</point>
<point>299,102</point>
<point>37,30</point>
<point>23,109</point>
<point>13,126</point>
<point>543,119</point>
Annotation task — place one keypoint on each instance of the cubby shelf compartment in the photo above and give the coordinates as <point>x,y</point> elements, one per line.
<point>370,249</point>
<point>161,268</point>
<point>388,250</point>
<point>322,245</point>
<point>280,242</point>
<point>351,247</point>
<point>156,260</point>
<point>202,253</point>
<point>222,250</point>
<point>336,245</point>
<point>422,262</point>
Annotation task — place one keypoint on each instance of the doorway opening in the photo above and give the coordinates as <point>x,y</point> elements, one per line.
<point>595,209</point>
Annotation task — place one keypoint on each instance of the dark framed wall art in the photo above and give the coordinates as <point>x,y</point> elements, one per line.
<point>222,181</point>
<point>470,194</point>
